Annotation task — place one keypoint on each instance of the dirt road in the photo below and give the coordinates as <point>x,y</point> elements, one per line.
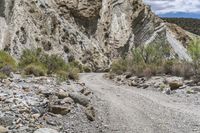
<point>132,110</point>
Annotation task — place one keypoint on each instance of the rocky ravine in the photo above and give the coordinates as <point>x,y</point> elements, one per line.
<point>93,32</point>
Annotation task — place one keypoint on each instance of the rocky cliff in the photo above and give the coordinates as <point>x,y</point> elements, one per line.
<point>92,31</point>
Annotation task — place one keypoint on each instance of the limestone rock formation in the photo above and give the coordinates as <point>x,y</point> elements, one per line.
<point>93,32</point>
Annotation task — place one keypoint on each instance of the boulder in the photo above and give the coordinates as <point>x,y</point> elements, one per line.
<point>46,130</point>
<point>80,99</point>
<point>174,85</point>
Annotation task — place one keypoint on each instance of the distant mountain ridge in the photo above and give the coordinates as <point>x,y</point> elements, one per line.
<point>190,24</point>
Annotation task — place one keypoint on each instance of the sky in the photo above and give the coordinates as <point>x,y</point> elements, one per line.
<point>175,8</point>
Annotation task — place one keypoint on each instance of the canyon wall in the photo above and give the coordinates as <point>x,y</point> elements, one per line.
<point>94,32</point>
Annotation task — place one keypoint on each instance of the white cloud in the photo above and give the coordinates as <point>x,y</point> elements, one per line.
<point>173,6</point>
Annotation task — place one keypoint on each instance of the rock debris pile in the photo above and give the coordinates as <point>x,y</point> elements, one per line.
<point>43,104</point>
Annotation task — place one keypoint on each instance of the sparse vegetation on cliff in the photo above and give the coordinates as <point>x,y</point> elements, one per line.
<point>151,60</point>
<point>38,63</point>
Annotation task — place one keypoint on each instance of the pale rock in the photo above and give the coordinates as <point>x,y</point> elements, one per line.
<point>133,83</point>
<point>62,94</point>
<point>94,32</point>
<point>36,116</point>
<point>67,100</point>
<point>90,113</point>
<point>81,99</point>
<point>3,129</point>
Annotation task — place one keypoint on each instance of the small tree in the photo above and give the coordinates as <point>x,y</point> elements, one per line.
<point>194,49</point>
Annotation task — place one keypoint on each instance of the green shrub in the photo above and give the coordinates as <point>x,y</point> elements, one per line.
<point>167,67</point>
<point>151,60</point>
<point>2,76</point>
<point>73,73</point>
<point>187,70</point>
<point>29,57</point>
<point>147,72</point>
<point>53,63</point>
<point>7,60</point>
<point>62,75</point>
<point>38,63</point>
<point>86,69</point>
<point>35,69</point>
<point>76,64</point>
<point>194,49</point>
<point>145,61</point>
<point>119,66</point>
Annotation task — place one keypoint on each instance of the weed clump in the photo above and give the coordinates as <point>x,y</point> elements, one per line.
<point>35,69</point>
<point>7,64</point>
<point>38,63</point>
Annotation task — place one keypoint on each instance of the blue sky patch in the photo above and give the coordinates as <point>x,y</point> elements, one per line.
<point>175,8</point>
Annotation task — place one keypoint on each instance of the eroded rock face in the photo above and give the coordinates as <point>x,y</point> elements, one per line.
<point>93,32</point>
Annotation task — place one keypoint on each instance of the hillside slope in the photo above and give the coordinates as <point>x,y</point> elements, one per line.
<point>92,32</point>
<point>188,24</point>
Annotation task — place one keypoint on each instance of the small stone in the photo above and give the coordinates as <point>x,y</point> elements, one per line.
<point>24,110</point>
<point>133,83</point>
<point>196,89</point>
<point>191,92</point>
<point>26,88</point>
<point>58,109</point>
<point>18,121</point>
<point>46,93</point>
<point>3,129</point>
<point>119,79</point>
<point>145,86</point>
<point>129,75</point>
<point>36,116</point>
<point>90,113</point>
<point>87,93</point>
<point>167,91</point>
<point>62,94</point>
<point>51,122</point>
<point>189,82</point>
<point>67,100</point>
<point>46,130</point>
<point>83,90</point>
